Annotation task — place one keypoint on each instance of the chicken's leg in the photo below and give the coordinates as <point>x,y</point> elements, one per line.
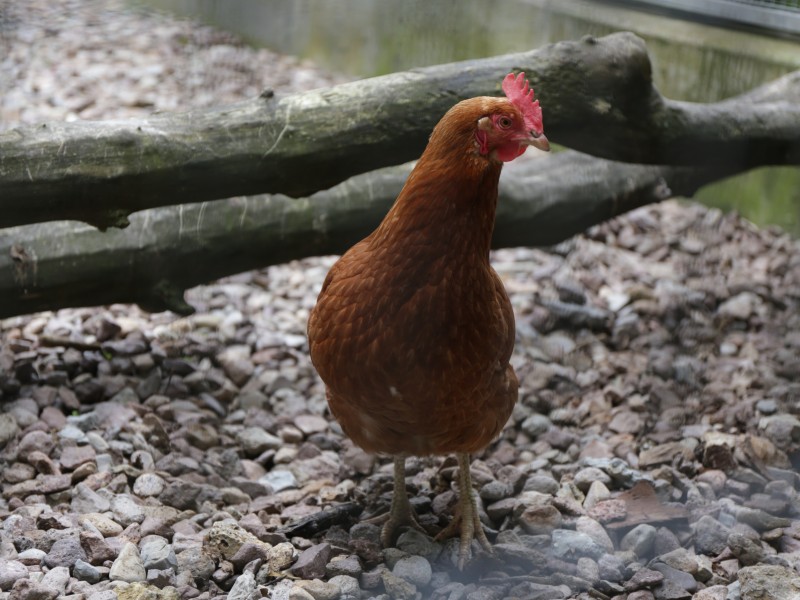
<point>465,522</point>
<point>400,514</point>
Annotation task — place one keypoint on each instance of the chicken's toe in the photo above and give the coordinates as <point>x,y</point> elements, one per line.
<point>401,514</point>
<point>394,522</point>
<point>465,523</point>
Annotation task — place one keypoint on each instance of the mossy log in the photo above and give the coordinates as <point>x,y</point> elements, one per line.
<point>166,250</point>
<point>597,95</point>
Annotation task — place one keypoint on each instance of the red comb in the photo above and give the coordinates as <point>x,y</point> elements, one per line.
<point>519,92</point>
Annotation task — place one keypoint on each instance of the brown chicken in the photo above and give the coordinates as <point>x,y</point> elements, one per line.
<point>413,330</point>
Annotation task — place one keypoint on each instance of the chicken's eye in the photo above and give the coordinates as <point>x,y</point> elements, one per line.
<point>504,122</point>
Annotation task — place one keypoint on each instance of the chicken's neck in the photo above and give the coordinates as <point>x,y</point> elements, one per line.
<point>447,206</point>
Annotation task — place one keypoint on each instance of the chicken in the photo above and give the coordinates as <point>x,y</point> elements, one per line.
<point>413,330</point>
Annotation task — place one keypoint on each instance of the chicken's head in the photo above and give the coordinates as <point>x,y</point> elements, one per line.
<point>512,126</point>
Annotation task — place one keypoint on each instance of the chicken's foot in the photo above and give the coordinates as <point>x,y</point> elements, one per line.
<point>465,522</point>
<point>400,514</point>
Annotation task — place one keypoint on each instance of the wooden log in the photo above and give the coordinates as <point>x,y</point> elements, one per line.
<point>597,96</point>
<point>166,250</point>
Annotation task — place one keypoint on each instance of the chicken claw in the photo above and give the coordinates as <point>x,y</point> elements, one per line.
<point>465,522</point>
<point>400,514</point>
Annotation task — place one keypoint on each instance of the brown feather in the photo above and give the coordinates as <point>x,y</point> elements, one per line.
<point>413,331</point>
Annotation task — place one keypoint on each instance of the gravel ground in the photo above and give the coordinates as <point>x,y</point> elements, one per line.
<point>654,452</point>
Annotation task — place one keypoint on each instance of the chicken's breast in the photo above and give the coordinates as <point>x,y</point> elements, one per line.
<point>415,355</point>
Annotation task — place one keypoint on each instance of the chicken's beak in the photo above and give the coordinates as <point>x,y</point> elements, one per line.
<point>538,140</point>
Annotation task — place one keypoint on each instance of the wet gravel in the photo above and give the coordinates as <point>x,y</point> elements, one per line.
<point>653,454</point>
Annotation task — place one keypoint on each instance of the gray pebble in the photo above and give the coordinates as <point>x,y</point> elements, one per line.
<point>536,425</point>
<point>196,562</point>
<point>31,556</point>
<point>126,510</point>
<point>244,588</point>
<point>641,595</point>
<point>365,531</point>
<point>19,472</point>
<point>639,540</point>
<point>65,552</point>
<point>497,511</point>
<point>644,578</point>
<point>586,476</point>
<point>783,429</point>
<point>619,471</point>
<point>128,566</point>
<point>398,588</point>
<point>249,552</point>
<point>768,581</point>
<point>35,441</point>
<point>161,578</point>
<point>681,580</point>
<point>202,435</point>
<point>392,555</point>
<point>746,550</point>
<point>281,556</point>
<point>588,569</point>
<point>85,422</point>
<point>157,553</point>
<point>540,519</point>
<point>595,531</point>
<point>767,406</point>
<point>740,306</point>
<point>8,428</point>
<point>714,592</point>
<point>104,595</point>
<point>100,523</point>
<point>544,484</point>
<point>570,544</point>
<point>495,490</point>
<point>28,589</point>
<point>10,571</point>
<point>180,494</point>
<point>414,569</point>
<point>235,360</point>
<point>297,592</point>
<point>72,433</point>
<point>680,559</point>
<point>348,586</point>
<point>73,457</point>
<point>312,561</point>
<point>279,480</point>
<point>56,579</point>
<point>759,519</point>
<point>611,567</point>
<point>96,547</point>
<point>255,440</point>
<point>417,543</point>
<point>344,565</point>
<point>320,590</point>
<point>370,580</point>
<point>734,591</point>
<point>666,541</point>
<point>86,571</point>
<point>711,536</point>
<point>148,484</point>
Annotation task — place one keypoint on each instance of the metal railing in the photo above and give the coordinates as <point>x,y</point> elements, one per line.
<point>778,17</point>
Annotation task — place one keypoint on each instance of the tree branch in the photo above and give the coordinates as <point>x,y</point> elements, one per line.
<point>166,250</point>
<point>597,97</point>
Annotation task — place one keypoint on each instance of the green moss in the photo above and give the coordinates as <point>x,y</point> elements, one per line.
<point>768,196</point>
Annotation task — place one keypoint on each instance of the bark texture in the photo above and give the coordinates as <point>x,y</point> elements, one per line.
<point>166,250</point>
<point>597,96</point>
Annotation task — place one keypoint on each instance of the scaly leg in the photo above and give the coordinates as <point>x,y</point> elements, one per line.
<point>400,514</point>
<point>465,521</point>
